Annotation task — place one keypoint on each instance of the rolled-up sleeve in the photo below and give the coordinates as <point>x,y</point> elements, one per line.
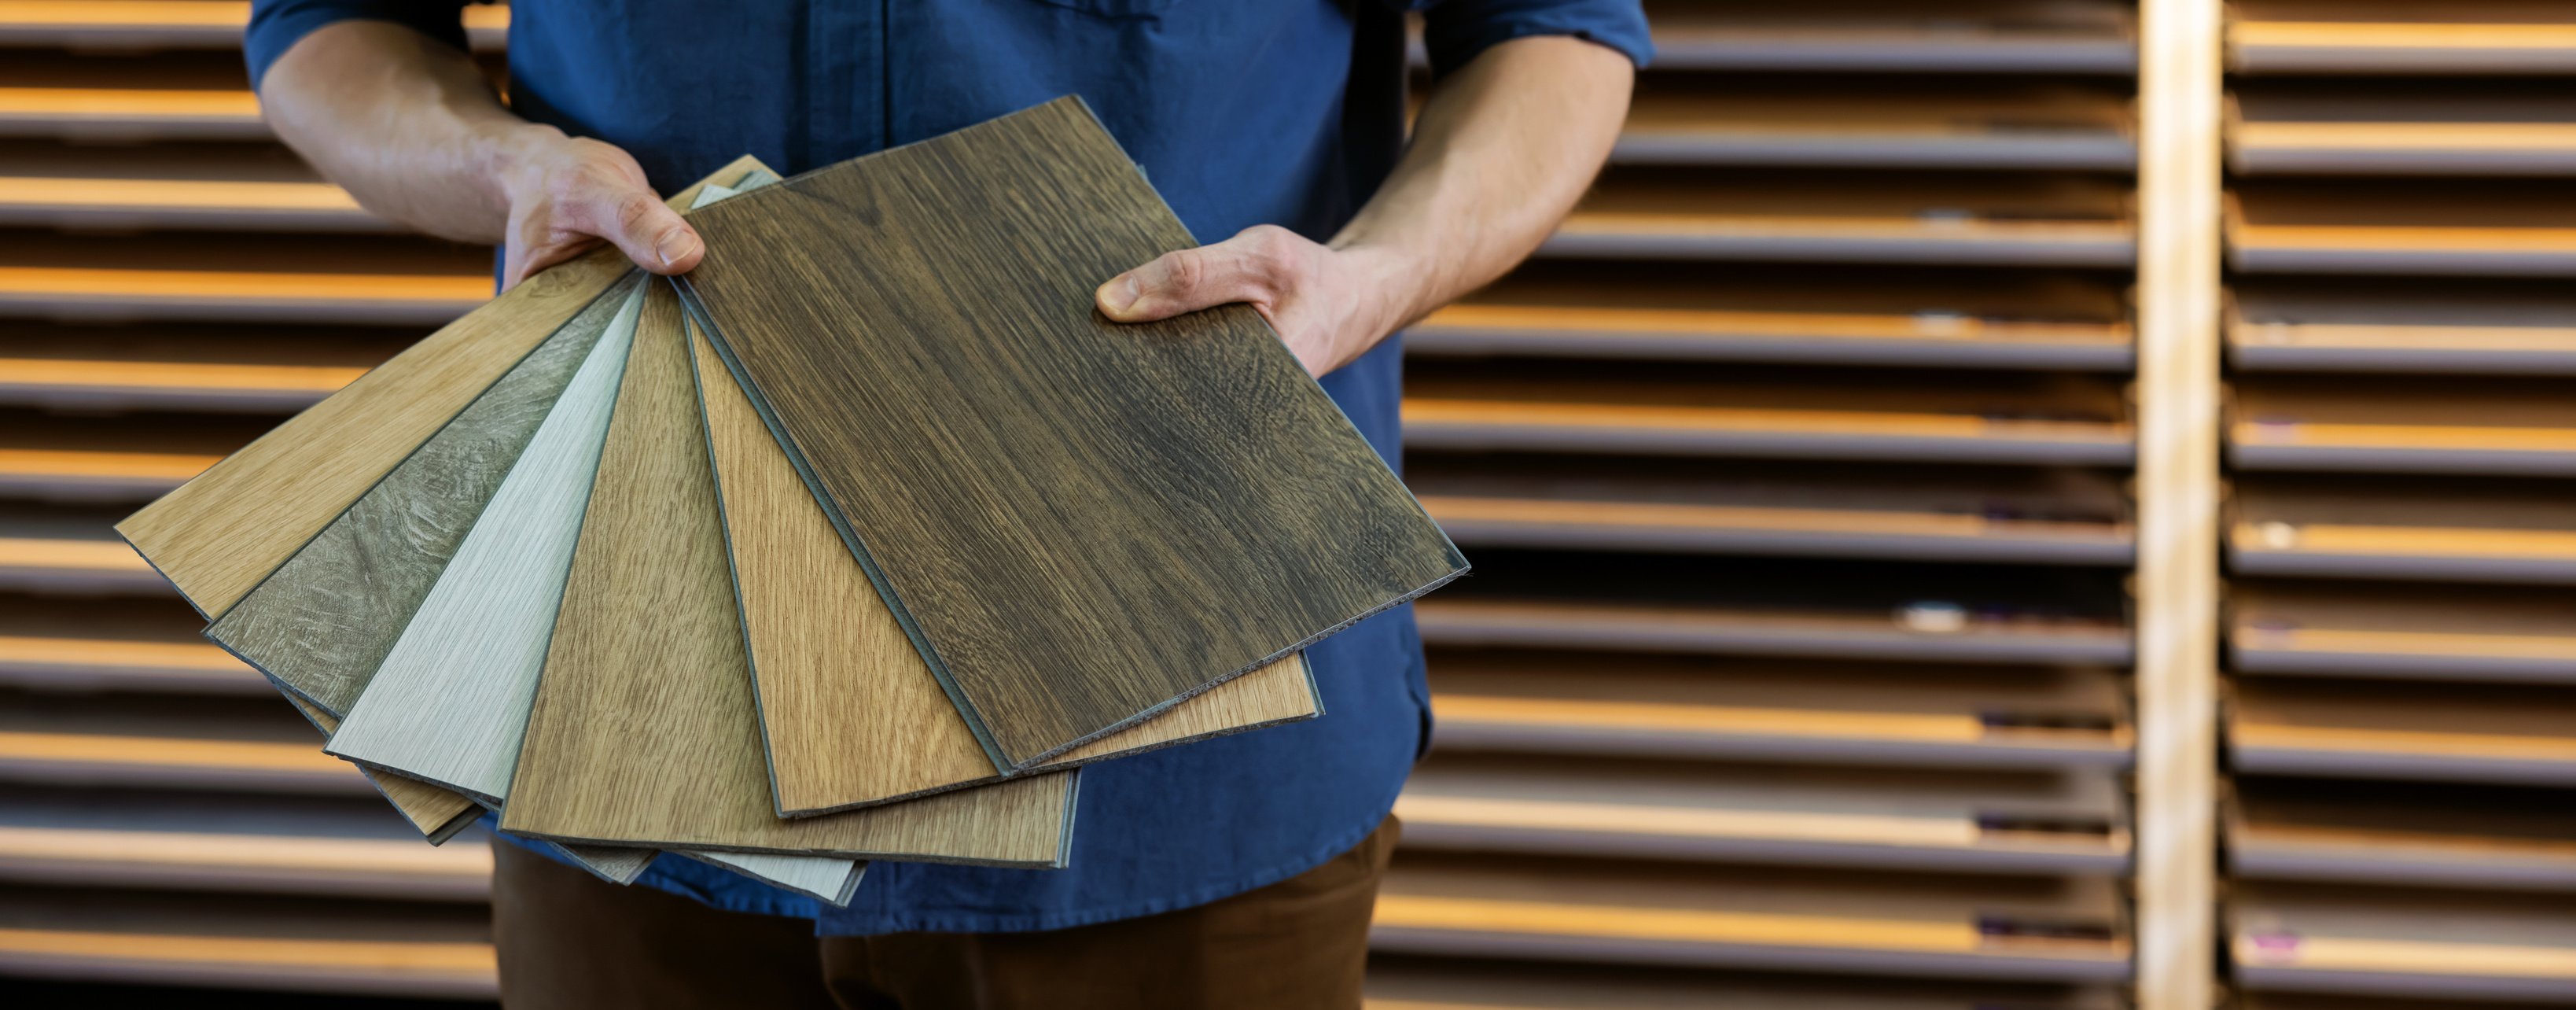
<point>1455,31</point>
<point>276,25</point>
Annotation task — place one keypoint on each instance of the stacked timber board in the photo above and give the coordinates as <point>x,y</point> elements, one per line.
<point>1795,471</point>
<point>2401,625</point>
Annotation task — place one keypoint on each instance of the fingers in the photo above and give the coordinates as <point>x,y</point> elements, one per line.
<point>610,199</point>
<point>1249,267</point>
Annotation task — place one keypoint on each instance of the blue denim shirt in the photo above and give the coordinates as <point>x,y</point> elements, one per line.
<point>1242,112</point>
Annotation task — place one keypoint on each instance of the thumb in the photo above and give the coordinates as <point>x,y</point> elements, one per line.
<point>1186,280</point>
<point>640,225</point>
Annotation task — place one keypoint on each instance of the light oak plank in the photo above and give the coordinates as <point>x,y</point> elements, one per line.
<point>326,619</point>
<point>850,715</point>
<point>451,700</point>
<point>217,536</point>
<point>644,729</point>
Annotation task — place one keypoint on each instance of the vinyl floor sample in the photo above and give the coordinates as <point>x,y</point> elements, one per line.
<point>218,535</point>
<point>450,702</point>
<point>1081,523</point>
<point>850,715</point>
<point>322,623</point>
<point>644,729</point>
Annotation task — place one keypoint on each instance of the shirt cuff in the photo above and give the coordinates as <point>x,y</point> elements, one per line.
<point>1456,31</point>
<point>276,25</point>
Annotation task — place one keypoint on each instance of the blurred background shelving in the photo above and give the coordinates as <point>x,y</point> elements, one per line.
<point>1799,470</point>
<point>2399,525</point>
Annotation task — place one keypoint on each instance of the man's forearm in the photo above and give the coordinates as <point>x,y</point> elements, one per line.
<point>413,130</point>
<point>408,126</point>
<point>1500,152</point>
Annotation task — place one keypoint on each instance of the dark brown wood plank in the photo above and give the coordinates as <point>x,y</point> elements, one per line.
<point>1080,523</point>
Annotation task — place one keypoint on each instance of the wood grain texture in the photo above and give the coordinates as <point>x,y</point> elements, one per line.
<point>850,715</point>
<point>1081,523</point>
<point>438,813</point>
<point>451,699</point>
<point>644,729</point>
<point>218,535</point>
<point>325,620</point>
<point>822,878</point>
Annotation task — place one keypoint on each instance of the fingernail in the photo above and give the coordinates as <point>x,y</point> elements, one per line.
<point>1120,293</point>
<point>675,245</point>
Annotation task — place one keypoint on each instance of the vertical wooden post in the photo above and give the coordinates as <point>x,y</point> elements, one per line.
<point>2179,81</point>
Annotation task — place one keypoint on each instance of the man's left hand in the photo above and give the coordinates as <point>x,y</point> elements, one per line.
<point>1328,305</point>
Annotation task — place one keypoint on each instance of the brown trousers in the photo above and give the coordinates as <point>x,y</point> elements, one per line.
<point>570,941</point>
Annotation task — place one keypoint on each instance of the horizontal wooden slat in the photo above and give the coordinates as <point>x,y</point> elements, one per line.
<point>2399,37</point>
<point>1529,406</point>
<point>2389,833</point>
<point>2520,633</point>
<point>2042,929</point>
<point>1669,312</point>
<point>2403,942</point>
<point>186,186</point>
<point>195,743</point>
<point>2381,325</point>
<point>2493,228</point>
<point>2403,425</point>
<point>1680,120</point>
<point>1697,708</point>
<point>2376,527</point>
<point>1704,214</point>
<point>173,24</point>
<point>2385,729</point>
<point>2413,129</point>
<point>1398,983</point>
<point>1983,36</point>
<point>147,646</point>
<point>2060,517</point>
<point>314,945</point>
<point>2044,822</point>
<point>1671,605</point>
<point>268,279</point>
<point>251,845</point>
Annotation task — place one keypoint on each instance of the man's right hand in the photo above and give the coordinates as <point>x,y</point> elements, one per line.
<point>569,194</point>
<point>415,131</point>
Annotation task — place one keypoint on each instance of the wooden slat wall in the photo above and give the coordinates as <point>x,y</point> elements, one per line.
<point>2403,648</point>
<point>1844,484</point>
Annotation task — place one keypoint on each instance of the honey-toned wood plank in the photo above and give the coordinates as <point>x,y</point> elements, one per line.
<point>1667,312</point>
<point>218,535</point>
<point>2030,822</point>
<point>1665,213</point>
<point>324,621</point>
<point>348,947</point>
<point>450,701</point>
<point>1976,36</point>
<point>437,813</point>
<point>644,728</point>
<point>954,474</point>
<point>836,674</point>
<point>2024,928</point>
<point>2453,945</point>
<point>222,744</point>
<point>2383,325</point>
<point>2453,632</point>
<point>2413,128</point>
<point>1610,704</point>
<point>69,550</point>
<point>172,186</point>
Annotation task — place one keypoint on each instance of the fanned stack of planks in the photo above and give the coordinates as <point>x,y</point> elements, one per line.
<point>703,569</point>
